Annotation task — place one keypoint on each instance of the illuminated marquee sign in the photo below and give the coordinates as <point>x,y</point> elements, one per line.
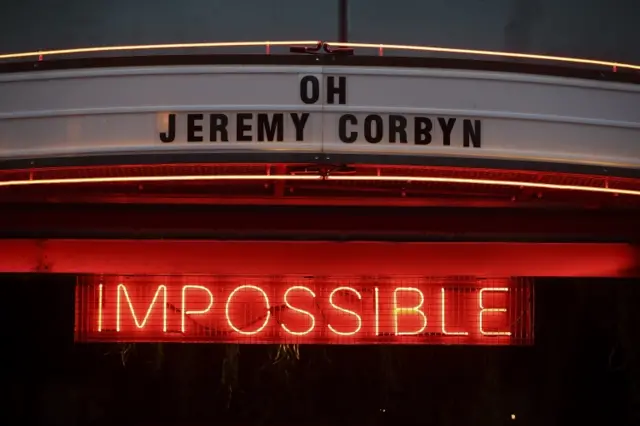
<point>304,310</point>
<point>392,128</point>
<point>330,110</point>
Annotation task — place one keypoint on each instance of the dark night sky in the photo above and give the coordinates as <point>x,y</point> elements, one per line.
<point>584,367</point>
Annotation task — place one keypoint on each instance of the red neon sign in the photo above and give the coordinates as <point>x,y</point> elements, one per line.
<point>348,310</point>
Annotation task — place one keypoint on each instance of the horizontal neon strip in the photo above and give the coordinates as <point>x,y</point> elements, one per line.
<point>487,53</point>
<point>176,178</point>
<point>534,185</point>
<point>155,47</point>
<point>382,46</point>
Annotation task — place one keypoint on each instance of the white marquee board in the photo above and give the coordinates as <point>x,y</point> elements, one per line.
<point>381,111</point>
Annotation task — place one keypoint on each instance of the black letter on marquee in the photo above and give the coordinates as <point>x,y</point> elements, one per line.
<point>472,134</point>
<point>273,130</point>
<point>371,135</point>
<point>422,131</point>
<point>304,89</point>
<point>342,128</point>
<point>447,128</point>
<point>218,123</point>
<point>193,127</point>
<point>299,122</point>
<point>340,90</point>
<point>397,125</point>
<point>243,127</point>
<point>170,134</point>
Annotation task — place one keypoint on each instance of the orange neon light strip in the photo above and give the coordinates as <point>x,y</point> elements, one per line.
<point>430,179</point>
<point>487,53</point>
<point>177,178</point>
<point>474,181</point>
<point>155,47</point>
<point>267,44</point>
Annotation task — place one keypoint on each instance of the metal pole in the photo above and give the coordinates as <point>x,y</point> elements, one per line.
<point>343,20</point>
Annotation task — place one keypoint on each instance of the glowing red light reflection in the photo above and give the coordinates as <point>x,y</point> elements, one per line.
<point>349,310</point>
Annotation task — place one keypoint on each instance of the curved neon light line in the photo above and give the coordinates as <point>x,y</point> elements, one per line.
<point>176,178</point>
<point>155,47</point>
<point>332,43</point>
<point>137,179</point>
<point>474,181</point>
<point>302,311</point>
<point>346,311</point>
<point>227,308</point>
<point>487,53</point>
